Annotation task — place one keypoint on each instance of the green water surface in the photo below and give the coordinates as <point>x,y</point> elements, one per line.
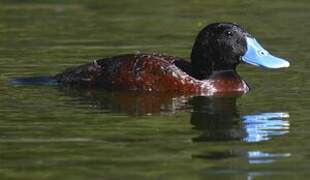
<point>49,132</point>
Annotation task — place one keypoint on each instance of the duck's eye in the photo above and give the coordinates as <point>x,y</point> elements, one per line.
<point>229,33</point>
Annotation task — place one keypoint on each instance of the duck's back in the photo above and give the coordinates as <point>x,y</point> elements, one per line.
<point>145,72</point>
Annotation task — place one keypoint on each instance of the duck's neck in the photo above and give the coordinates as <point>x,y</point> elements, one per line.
<point>201,66</point>
<point>207,68</point>
<point>224,74</point>
<point>205,61</point>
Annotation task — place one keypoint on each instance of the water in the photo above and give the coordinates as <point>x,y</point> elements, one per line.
<point>48,132</point>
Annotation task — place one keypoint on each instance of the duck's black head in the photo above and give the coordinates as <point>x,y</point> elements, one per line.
<point>222,46</point>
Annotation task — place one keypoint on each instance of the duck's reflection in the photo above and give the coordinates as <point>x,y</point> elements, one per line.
<point>259,157</point>
<point>219,120</point>
<point>240,170</point>
<point>129,103</point>
<point>217,117</point>
<point>263,126</point>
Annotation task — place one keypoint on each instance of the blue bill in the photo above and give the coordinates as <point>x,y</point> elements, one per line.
<point>258,56</point>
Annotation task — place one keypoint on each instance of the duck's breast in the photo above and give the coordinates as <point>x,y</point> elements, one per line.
<point>225,83</point>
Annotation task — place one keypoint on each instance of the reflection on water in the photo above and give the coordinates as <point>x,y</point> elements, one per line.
<point>131,103</point>
<point>252,157</point>
<point>219,120</point>
<point>259,157</point>
<point>262,126</point>
<point>216,117</point>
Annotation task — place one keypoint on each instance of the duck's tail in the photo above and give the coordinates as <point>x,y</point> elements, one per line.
<point>38,80</point>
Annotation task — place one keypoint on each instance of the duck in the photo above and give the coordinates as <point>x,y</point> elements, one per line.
<point>218,49</point>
